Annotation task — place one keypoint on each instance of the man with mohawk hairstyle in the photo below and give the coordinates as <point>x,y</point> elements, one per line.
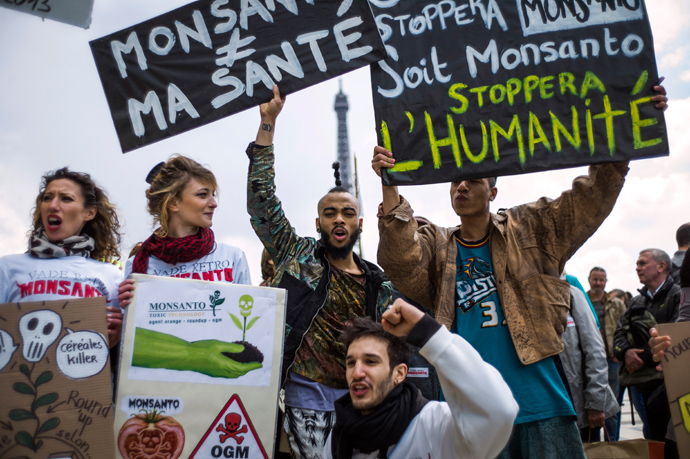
<point>328,286</point>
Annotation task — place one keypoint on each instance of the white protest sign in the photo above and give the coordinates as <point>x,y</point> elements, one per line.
<point>189,348</point>
<point>81,354</point>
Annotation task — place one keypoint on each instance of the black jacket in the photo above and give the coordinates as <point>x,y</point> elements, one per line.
<point>663,306</point>
<point>304,302</point>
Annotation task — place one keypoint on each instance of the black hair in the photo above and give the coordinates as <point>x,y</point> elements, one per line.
<point>338,188</point>
<point>363,327</point>
<point>336,173</point>
<point>683,235</point>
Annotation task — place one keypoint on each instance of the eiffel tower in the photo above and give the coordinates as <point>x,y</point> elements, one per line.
<point>341,108</point>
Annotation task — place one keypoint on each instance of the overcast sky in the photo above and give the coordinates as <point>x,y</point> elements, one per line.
<point>53,113</point>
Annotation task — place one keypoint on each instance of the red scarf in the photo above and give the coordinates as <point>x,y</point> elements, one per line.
<point>174,250</point>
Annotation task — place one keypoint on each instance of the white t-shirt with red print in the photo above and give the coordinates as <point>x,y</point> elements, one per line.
<point>224,264</point>
<point>25,278</point>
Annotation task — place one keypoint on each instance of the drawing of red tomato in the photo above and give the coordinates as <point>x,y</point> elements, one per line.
<point>151,436</point>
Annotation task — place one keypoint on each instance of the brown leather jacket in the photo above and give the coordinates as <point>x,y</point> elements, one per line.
<point>613,310</point>
<point>529,244</point>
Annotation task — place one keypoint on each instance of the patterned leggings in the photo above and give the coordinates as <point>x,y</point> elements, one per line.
<point>307,431</point>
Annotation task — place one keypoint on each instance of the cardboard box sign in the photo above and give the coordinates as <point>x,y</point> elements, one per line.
<point>676,366</point>
<point>200,370</point>
<point>55,380</point>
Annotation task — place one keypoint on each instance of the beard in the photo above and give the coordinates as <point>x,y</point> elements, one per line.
<point>381,391</point>
<point>340,252</point>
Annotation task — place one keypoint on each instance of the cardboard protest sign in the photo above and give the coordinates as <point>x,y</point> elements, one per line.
<point>55,380</point>
<point>676,365</point>
<point>481,88</point>
<point>213,58</point>
<point>73,12</point>
<point>200,370</point>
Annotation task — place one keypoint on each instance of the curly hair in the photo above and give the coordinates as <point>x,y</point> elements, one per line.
<point>105,226</point>
<point>169,182</point>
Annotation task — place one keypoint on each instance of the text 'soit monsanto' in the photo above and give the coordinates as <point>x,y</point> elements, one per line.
<point>479,88</point>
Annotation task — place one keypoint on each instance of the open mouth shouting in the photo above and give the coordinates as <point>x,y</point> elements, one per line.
<point>359,389</point>
<point>54,223</point>
<point>339,233</point>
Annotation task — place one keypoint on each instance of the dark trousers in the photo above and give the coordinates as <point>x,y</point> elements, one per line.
<point>657,410</point>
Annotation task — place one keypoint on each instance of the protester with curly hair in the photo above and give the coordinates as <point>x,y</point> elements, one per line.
<point>74,236</point>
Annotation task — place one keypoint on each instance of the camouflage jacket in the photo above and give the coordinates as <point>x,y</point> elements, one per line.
<point>529,245</point>
<point>301,264</point>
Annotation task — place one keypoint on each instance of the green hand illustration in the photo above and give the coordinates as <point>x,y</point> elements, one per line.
<point>210,357</point>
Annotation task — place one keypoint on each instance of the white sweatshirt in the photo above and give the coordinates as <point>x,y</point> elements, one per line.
<point>475,421</point>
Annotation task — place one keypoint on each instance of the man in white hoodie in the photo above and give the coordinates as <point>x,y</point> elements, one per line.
<point>385,416</point>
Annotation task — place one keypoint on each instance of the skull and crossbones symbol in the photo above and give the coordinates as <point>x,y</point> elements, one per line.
<point>232,428</point>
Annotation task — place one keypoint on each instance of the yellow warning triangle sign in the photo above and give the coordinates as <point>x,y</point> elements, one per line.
<point>231,435</point>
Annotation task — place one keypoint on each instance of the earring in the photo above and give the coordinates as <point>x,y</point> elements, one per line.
<point>318,230</point>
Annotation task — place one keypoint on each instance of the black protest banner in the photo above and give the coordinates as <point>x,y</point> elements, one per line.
<point>214,58</point>
<point>479,88</point>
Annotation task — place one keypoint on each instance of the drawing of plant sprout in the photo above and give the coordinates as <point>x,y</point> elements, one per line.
<point>23,437</point>
<point>246,306</point>
<point>216,301</point>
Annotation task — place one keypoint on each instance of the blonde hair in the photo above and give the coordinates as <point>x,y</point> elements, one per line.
<point>169,183</point>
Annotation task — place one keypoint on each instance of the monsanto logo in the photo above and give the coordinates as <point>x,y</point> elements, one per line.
<point>231,435</point>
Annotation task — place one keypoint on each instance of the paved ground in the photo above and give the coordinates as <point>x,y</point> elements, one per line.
<point>629,431</point>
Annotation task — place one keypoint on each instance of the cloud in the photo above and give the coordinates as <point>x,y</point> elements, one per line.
<point>669,20</point>
<point>673,58</point>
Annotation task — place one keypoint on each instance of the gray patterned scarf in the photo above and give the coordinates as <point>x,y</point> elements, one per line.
<point>41,247</point>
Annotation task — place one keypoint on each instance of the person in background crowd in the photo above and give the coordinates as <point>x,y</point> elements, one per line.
<point>625,297</point>
<point>182,200</point>
<point>683,241</point>
<point>609,311</point>
<point>268,268</point>
<point>74,226</point>
<point>575,282</point>
<point>634,396</point>
<point>384,415</point>
<point>584,365</point>
<point>659,344</point>
<point>328,285</point>
<point>658,303</point>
